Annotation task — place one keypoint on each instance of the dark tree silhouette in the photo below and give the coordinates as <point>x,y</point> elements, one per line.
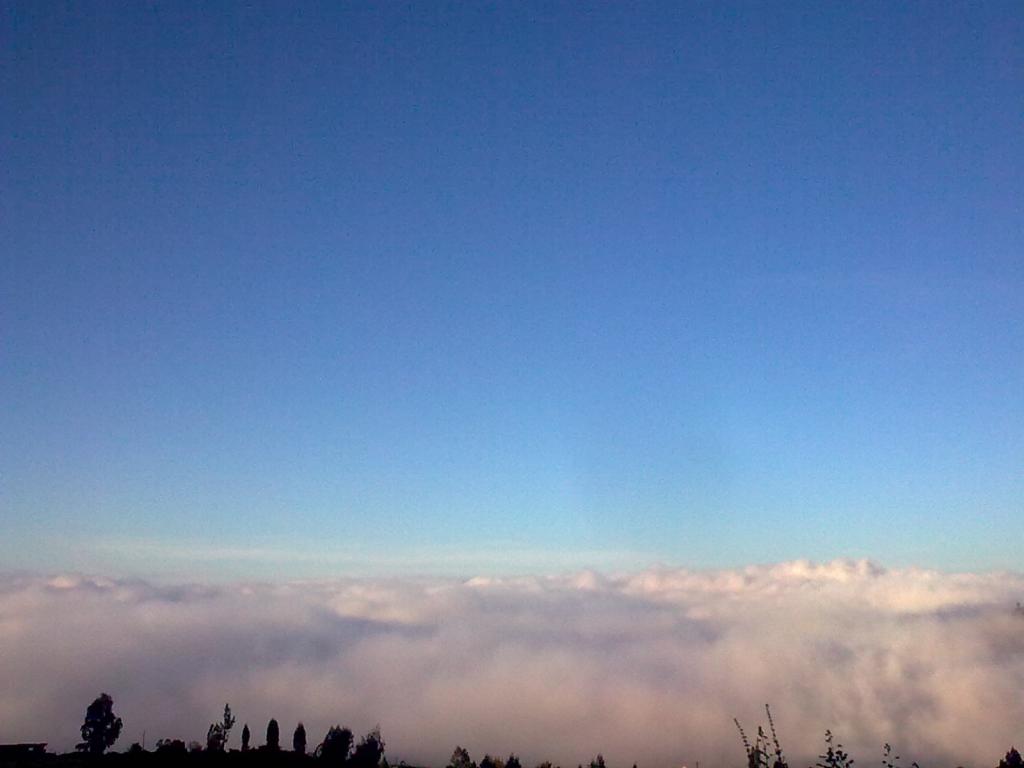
<point>336,745</point>
<point>299,739</point>
<point>1012,759</point>
<point>227,723</point>
<point>513,761</point>
<point>369,750</point>
<point>460,759</point>
<point>101,727</point>
<point>273,736</point>
<point>217,734</point>
<point>171,747</point>
<point>597,762</point>
<point>245,737</point>
<point>491,762</point>
<point>215,738</point>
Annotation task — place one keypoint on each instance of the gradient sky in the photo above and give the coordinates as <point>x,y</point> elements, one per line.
<point>510,287</point>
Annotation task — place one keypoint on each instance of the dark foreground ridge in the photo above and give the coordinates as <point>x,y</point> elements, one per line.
<point>102,728</point>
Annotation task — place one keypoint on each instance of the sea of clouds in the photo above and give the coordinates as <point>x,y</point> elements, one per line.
<point>646,667</point>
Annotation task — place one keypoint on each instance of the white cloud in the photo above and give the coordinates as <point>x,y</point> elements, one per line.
<point>648,667</point>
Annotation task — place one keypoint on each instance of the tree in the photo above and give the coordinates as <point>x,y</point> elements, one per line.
<point>101,727</point>
<point>491,762</point>
<point>215,738</point>
<point>273,736</point>
<point>460,759</point>
<point>513,761</point>
<point>227,723</point>
<point>336,745</point>
<point>1012,759</point>
<point>217,734</point>
<point>299,739</point>
<point>597,762</point>
<point>245,737</point>
<point>369,750</point>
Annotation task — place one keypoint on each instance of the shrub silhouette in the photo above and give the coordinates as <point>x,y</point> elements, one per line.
<point>892,762</point>
<point>369,751</point>
<point>336,745</point>
<point>170,747</point>
<point>299,739</point>
<point>245,737</point>
<point>101,727</point>
<point>763,753</point>
<point>834,756</point>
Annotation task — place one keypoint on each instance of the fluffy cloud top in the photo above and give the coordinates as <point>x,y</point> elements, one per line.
<point>647,667</point>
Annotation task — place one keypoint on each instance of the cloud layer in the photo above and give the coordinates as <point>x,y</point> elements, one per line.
<point>648,667</point>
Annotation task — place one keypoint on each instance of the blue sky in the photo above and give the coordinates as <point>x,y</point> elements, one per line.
<point>510,287</point>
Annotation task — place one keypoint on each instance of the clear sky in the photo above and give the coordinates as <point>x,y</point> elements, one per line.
<point>354,288</point>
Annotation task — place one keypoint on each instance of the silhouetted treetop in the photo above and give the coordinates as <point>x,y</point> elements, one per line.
<point>369,750</point>
<point>1012,759</point>
<point>217,734</point>
<point>460,759</point>
<point>299,739</point>
<point>101,727</point>
<point>834,756</point>
<point>336,746</point>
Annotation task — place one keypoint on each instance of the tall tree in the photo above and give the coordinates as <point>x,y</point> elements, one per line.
<point>227,723</point>
<point>101,727</point>
<point>273,736</point>
<point>245,737</point>
<point>217,734</point>
<point>299,739</point>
